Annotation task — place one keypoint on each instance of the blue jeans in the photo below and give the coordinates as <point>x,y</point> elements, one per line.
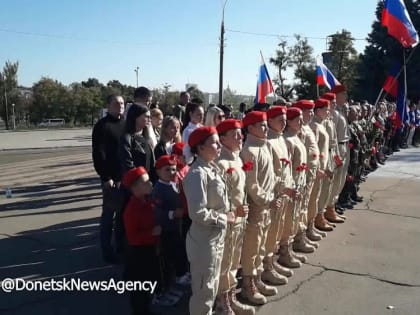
<point>111,221</point>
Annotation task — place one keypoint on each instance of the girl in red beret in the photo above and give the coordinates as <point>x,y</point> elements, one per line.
<point>141,261</point>
<point>208,209</point>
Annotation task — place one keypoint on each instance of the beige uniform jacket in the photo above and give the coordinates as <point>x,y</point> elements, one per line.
<point>298,157</point>
<point>312,151</point>
<point>231,165</point>
<point>341,126</point>
<point>323,143</point>
<point>205,190</point>
<point>260,180</point>
<point>282,169</point>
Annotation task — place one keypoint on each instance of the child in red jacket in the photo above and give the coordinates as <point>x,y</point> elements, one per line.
<point>141,263</point>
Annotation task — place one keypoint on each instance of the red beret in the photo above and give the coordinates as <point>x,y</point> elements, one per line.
<point>293,112</point>
<point>228,124</point>
<point>253,118</point>
<point>275,111</point>
<point>320,103</point>
<point>304,104</point>
<point>165,160</point>
<point>177,148</point>
<point>200,134</point>
<point>328,96</point>
<point>338,89</point>
<point>132,175</point>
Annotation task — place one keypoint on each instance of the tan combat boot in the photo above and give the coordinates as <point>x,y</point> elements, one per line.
<point>299,244</point>
<point>286,259</point>
<point>250,292</point>
<point>332,216</point>
<point>263,288</point>
<point>302,258</point>
<point>311,233</point>
<point>238,307</point>
<point>322,224</point>
<point>270,275</point>
<point>280,269</point>
<point>223,305</point>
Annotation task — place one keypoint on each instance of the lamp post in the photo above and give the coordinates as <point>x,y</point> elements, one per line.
<point>13,117</point>
<point>137,76</point>
<point>222,43</point>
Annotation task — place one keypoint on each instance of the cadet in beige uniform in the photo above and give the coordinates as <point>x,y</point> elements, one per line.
<point>326,188</point>
<point>343,138</point>
<point>301,243</point>
<point>208,208</point>
<point>298,160</point>
<point>274,272</point>
<point>230,134</point>
<point>260,181</point>
<point>325,167</point>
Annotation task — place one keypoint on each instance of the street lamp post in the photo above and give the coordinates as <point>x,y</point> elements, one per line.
<point>137,76</point>
<point>13,117</point>
<point>222,43</point>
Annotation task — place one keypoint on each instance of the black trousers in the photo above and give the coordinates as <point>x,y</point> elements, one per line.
<point>174,255</point>
<point>141,264</point>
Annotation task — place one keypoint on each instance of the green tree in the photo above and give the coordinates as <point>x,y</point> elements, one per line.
<point>342,58</point>
<point>8,89</point>
<point>282,62</point>
<point>51,99</point>
<point>303,62</point>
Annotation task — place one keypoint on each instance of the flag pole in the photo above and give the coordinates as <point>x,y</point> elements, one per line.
<point>396,77</point>
<point>317,91</point>
<point>405,87</point>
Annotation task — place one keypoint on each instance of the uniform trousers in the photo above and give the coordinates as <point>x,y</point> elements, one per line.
<point>231,255</point>
<point>253,250</point>
<point>205,252</point>
<point>341,173</point>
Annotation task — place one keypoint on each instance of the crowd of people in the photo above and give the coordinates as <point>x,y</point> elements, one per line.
<point>200,197</point>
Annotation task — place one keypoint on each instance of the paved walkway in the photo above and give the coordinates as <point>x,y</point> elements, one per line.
<point>49,229</point>
<point>52,138</point>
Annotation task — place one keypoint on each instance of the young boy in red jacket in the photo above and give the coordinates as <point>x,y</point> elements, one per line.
<point>141,263</point>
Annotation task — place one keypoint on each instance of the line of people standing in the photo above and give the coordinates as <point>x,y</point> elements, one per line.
<point>214,202</point>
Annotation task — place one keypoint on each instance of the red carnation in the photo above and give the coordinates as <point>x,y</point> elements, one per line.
<point>230,170</point>
<point>314,156</point>
<point>321,156</point>
<point>377,124</point>
<point>247,166</point>
<point>349,178</point>
<point>350,145</point>
<point>337,160</point>
<point>284,160</point>
<point>374,151</point>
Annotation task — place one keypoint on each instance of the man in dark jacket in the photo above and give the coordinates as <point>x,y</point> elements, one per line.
<point>105,143</point>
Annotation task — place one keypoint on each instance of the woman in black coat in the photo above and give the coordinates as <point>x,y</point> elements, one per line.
<point>135,146</point>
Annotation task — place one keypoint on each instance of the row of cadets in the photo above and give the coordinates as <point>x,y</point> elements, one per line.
<point>294,216</point>
<point>260,183</point>
<point>301,242</point>
<point>229,161</point>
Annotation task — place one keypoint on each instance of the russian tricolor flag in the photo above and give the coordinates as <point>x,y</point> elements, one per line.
<point>264,85</point>
<point>391,83</point>
<point>395,17</point>
<point>324,76</point>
